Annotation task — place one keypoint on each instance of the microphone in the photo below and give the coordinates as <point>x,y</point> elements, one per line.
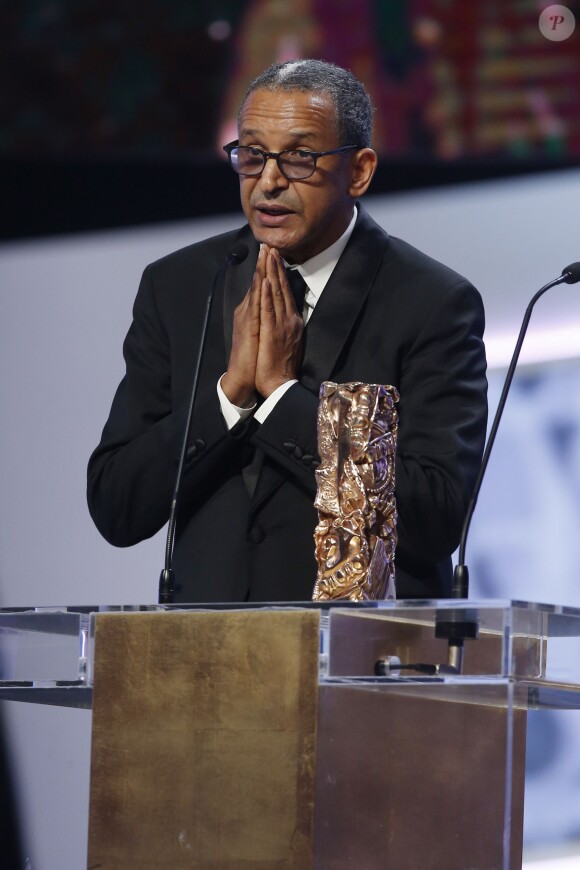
<point>457,626</point>
<point>236,256</point>
<point>570,275</point>
<point>239,253</point>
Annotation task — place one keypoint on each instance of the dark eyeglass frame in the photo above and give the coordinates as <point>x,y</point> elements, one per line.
<point>277,155</point>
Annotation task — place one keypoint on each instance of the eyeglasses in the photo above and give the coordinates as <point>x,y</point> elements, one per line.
<point>293,163</point>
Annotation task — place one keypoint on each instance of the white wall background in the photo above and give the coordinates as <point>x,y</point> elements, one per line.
<point>65,305</point>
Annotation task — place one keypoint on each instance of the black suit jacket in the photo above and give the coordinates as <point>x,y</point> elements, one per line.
<point>389,314</point>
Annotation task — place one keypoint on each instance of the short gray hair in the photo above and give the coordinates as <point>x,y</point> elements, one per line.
<point>354,111</point>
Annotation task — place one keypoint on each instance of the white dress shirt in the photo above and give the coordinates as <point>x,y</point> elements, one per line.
<point>316,273</point>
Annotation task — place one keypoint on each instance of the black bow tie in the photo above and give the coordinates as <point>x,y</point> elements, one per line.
<point>299,288</point>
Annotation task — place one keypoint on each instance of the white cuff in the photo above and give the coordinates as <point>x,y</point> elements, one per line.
<point>232,414</point>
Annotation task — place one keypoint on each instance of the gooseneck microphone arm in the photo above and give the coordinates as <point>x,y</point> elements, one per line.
<point>570,275</point>
<point>166,581</point>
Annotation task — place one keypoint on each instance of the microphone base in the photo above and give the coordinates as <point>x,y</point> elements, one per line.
<point>460,582</point>
<point>455,657</point>
<point>456,626</point>
<point>166,586</point>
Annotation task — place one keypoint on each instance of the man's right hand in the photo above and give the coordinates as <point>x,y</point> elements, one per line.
<point>239,381</point>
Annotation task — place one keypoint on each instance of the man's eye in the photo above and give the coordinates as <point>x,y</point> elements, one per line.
<point>301,155</point>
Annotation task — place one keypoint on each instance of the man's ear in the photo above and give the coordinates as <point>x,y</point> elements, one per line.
<point>364,165</point>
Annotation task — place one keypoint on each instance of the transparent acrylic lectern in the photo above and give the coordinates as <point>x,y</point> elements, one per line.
<point>260,738</point>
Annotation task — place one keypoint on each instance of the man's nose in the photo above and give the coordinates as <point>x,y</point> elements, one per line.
<point>272,178</point>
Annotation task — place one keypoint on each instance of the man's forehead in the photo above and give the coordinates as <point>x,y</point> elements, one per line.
<point>282,101</point>
<point>298,114</point>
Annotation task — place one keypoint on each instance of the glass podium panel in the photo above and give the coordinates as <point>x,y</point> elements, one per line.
<point>46,653</point>
<point>43,656</point>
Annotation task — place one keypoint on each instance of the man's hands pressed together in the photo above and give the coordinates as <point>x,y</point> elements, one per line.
<point>267,335</point>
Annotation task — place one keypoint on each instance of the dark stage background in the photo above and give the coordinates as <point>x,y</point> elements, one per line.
<point>114,113</point>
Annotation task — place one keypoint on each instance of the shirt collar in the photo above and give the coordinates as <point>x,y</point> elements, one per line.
<point>319,268</point>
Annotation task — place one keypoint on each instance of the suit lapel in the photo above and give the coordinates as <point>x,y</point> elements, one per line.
<point>343,297</point>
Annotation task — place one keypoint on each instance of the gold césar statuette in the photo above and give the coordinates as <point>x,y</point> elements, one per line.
<point>356,535</point>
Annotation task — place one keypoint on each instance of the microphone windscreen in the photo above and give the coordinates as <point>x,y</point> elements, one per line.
<point>572,273</point>
<point>237,254</point>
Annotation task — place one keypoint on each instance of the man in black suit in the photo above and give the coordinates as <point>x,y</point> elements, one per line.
<point>376,310</point>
